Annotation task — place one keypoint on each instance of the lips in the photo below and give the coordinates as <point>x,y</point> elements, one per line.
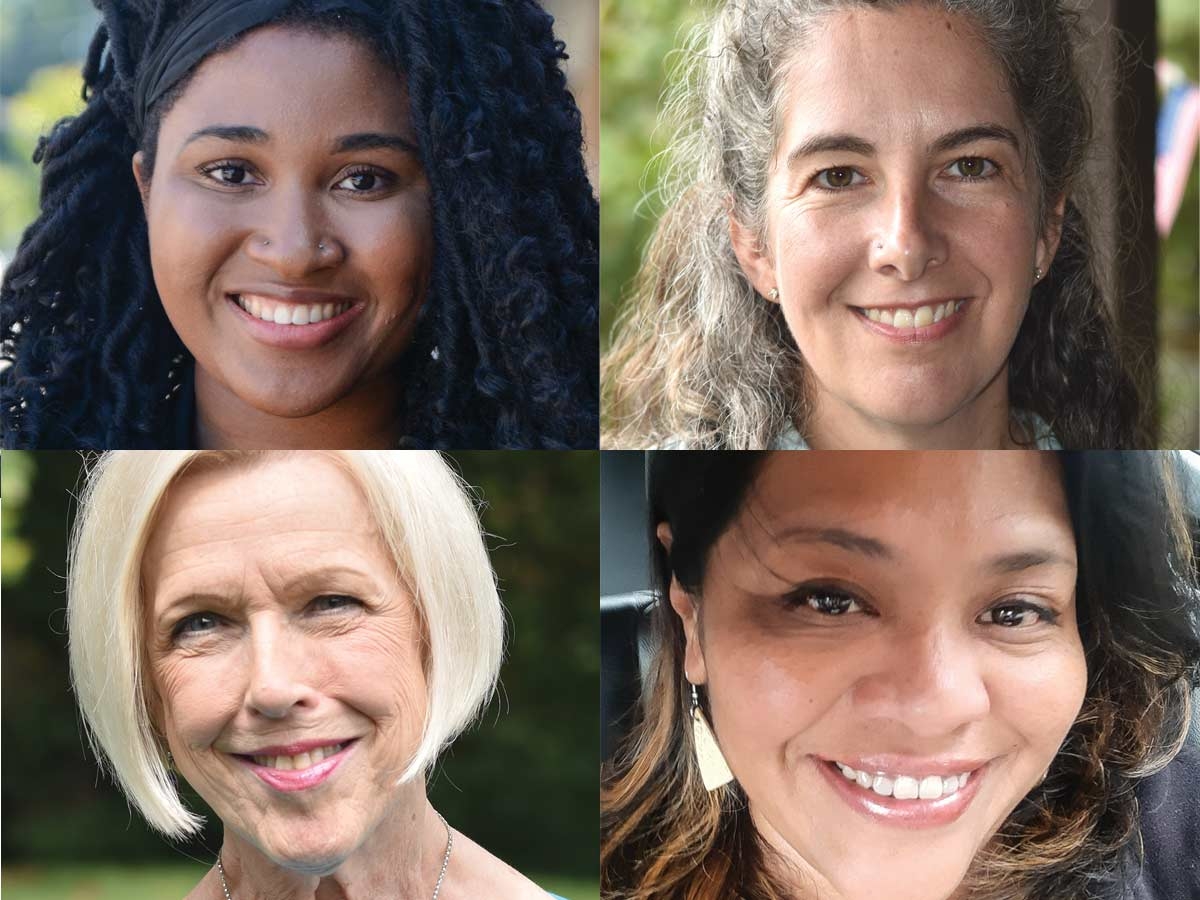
<point>310,322</point>
<point>902,317</point>
<point>269,309</point>
<point>289,772</point>
<point>907,325</point>
<point>888,797</point>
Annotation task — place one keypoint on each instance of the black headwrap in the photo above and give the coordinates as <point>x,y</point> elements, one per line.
<point>211,23</point>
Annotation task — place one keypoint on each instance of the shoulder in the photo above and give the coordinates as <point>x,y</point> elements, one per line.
<point>474,872</point>
<point>1170,825</point>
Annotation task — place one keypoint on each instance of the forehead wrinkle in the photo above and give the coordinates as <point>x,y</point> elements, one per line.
<point>864,48</point>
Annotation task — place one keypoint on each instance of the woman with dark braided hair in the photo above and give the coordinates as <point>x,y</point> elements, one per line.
<point>875,237</point>
<point>309,223</point>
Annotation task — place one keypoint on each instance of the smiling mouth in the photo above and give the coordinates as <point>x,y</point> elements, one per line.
<point>906,318</point>
<point>276,312</point>
<point>300,761</point>
<point>904,787</point>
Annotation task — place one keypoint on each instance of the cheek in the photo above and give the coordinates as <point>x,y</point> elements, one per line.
<point>380,673</point>
<point>766,694</point>
<point>198,700</point>
<point>188,238</point>
<point>1040,697</point>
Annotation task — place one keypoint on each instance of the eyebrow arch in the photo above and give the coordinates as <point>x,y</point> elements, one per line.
<point>348,143</point>
<point>839,537</point>
<point>988,131</point>
<point>1028,559</point>
<point>842,142</point>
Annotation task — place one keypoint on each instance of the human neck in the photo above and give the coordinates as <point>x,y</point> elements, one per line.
<point>401,859</point>
<point>362,420</point>
<point>983,424</point>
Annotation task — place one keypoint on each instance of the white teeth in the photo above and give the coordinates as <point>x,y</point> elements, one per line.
<point>301,760</point>
<point>905,787</point>
<point>931,787</point>
<point>290,314</point>
<point>920,317</point>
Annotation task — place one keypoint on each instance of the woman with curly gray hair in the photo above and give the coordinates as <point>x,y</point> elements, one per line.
<point>874,238</point>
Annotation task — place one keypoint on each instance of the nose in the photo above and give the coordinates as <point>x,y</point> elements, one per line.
<point>930,682</point>
<point>278,670</point>
<point>907,240</point>
<point>293,237</point>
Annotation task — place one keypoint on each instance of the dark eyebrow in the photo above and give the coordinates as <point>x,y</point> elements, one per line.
<point>241,134</point>
<point>374,140</point>
<point>366,140</point>
<point>850,143</point>
<point>826,143</point>
<point>988,131</point>
<point>839,537</point>
<point>1028,559</point>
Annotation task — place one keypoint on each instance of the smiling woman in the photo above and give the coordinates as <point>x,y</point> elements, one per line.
<point>297,636</point>
<point>366,249</point>
<point>874,238</point>
<point>947,678</point>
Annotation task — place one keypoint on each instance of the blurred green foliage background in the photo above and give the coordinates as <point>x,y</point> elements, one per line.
<point>523,782</point>
<point>636,41</point>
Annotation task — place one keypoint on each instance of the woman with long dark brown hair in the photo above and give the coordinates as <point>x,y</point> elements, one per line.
<point>912,676</point>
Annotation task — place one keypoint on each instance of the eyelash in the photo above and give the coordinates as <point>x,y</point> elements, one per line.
<point>811,598</point>
<point>386,178</point>
<point>816,180</point>
<point>181,627</point>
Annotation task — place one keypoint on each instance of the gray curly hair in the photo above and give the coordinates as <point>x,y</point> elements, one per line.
<point>700,360</point>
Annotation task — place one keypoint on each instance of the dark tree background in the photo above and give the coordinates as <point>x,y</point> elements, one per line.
<point>522,783</point>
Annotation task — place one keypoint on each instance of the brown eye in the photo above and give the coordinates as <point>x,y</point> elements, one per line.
<point>826,601</point>
<point>970,167</point>
<point>835,178</point>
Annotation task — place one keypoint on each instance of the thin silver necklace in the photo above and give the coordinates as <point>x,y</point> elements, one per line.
<point>437,888</point>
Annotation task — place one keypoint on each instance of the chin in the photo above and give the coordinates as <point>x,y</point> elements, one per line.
<point>315,854</point>
<point>292,403</point>
<point>918,880</point>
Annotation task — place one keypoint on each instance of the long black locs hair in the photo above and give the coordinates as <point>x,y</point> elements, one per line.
<point>506,351</point>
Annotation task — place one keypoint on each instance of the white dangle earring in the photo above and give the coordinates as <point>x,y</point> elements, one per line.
<point>714,771</point>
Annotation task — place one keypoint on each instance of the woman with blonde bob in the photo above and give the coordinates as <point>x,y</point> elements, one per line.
<point>875,236</point>
<point>938,676</point>
<point>297,635</point>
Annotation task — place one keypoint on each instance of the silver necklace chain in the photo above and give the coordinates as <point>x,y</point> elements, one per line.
<point>437,888</point>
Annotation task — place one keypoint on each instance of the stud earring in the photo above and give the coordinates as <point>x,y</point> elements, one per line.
<point>773,295</point>
<point>714,771</point>
<point>1037,273</point>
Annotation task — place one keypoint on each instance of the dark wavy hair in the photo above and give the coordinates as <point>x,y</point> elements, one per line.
<point>700,360</point>
<point>512,302</point>
<point>664,837</point>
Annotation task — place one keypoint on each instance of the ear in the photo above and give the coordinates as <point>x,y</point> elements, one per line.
<point>1047,244</point>
<point>139,175</point>
<point>752,257</point>
<point>685,607</point>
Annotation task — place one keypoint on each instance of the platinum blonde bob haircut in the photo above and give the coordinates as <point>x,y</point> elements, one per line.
<point>426,519</point>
